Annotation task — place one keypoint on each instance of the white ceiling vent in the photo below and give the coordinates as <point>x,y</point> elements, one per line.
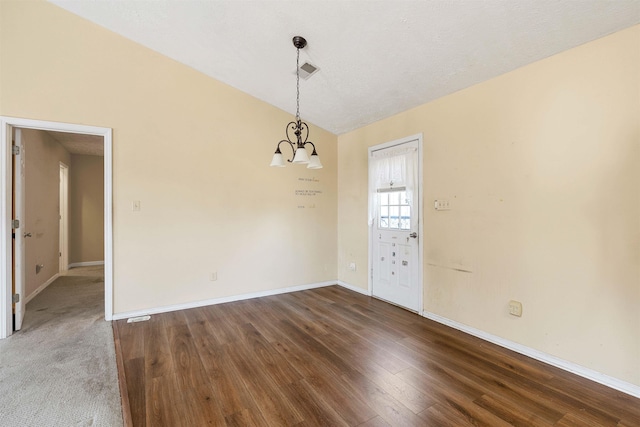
<point>307,70</point>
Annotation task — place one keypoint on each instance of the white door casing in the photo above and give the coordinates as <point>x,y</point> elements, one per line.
<point>395,248</point>
<point>19,240</point>
<point>64,218</point>
<point>6,170</point>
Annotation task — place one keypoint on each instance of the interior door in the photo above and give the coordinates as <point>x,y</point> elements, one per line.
<point>395,250</point>
<point>19,233</point>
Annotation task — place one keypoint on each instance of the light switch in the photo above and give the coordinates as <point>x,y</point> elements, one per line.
<point>136,205</point>
<point>442,205</point>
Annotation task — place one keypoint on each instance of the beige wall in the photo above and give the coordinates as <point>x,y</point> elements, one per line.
<point>86,209</point>
<point>542,169</point>
<point>42,156</point>
<point>177,140</point>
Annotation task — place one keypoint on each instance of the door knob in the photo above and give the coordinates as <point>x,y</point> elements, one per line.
<point>26,235</point>
<point>413,235</point>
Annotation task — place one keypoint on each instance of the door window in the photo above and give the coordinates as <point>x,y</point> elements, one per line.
<point>394,210</point>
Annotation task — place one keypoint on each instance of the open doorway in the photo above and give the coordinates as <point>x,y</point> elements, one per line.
<point>6,226</point>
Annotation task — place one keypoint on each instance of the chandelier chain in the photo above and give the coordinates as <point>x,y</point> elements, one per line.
<point>298,85</point>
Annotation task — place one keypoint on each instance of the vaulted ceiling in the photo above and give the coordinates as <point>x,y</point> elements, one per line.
<point>376,58</point>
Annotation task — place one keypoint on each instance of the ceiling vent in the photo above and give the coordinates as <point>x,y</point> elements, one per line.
<point>307,70</point>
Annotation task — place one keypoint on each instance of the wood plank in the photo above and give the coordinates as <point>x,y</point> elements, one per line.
<point>135,383</point>
<point>201,408</point>
<point>440,415</point>
<point>122,379</point>
<point>313,408</point>
<point>268,397</point>
<point>375,422</point>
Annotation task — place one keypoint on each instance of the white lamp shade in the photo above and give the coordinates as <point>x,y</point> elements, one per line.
<point>277,160</point>
<point>301,156</point>
<point>314,162</point>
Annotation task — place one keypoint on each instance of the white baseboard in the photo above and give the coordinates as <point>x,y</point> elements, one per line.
<point>587,373</point>
<point>354,288</point>
<point>214,301</point>
<point>41,288</point>
<point>84,264</point>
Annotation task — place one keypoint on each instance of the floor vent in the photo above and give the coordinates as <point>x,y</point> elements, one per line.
<point>138,319</point>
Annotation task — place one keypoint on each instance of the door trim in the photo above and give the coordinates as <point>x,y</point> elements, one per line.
<point>19,266</point>
<point>390,144</point>
<point>63,223</point>
<point>6,126</point>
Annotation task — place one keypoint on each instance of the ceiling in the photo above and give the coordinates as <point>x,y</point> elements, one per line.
<point>376,58</point>
<point>76,143</point>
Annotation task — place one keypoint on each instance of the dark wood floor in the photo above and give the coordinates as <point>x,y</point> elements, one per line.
<point>332,357</point>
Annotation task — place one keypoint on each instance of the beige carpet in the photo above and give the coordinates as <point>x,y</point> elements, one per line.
<point>60,369</point>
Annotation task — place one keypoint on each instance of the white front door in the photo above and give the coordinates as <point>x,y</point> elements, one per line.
<point>395,253</point>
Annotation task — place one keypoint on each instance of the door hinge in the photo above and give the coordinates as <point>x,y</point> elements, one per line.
<point>15,223</point>
<point>15,150</point>
<point>15,298</point>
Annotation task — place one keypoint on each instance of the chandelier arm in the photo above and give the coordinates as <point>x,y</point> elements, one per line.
<point>290,145</point>
<point>303,128</point>
<point>292,127</point>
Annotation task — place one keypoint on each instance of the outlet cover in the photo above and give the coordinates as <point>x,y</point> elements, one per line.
<point>515,308</point>
<point>214,276</point>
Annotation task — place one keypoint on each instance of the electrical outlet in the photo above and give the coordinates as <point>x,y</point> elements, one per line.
<point>352,266</point>
<point>515,308</point>
<point>214,276</point>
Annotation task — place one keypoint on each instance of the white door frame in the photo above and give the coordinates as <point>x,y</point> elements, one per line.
<point>19,241</point>
<point>6,126</point>
<point>389,144</point>
<point>63,243</point>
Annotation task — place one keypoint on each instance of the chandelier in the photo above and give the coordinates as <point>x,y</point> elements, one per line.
<point>297,131</point>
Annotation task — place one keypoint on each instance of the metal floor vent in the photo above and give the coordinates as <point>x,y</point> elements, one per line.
<point>138,319</point>
<point>307,70</point>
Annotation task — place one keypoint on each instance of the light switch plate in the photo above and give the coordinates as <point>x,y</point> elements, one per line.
<point>442,205</point>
